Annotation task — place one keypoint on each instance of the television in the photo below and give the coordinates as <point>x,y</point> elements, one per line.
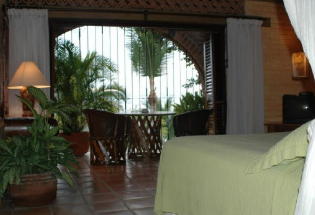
<point>298,109</point>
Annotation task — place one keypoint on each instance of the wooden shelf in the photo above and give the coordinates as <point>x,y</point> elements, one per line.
<point>16,125</point>
<point>18,121</point>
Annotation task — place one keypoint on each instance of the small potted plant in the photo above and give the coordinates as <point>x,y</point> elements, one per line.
<point>29,165</point>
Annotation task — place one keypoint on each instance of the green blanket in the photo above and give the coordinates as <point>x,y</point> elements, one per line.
<point>207,175</point>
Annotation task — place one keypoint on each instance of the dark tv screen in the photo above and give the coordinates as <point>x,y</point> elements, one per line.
<point>298,109</point>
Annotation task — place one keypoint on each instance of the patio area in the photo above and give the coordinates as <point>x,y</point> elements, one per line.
<point>117,190</point>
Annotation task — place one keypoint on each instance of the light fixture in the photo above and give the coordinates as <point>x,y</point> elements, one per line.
<point>300,65</point>
<point>28,74</point>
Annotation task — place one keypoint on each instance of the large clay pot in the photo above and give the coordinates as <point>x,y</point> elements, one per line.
<point>79,142</point>
<point>34,190</point>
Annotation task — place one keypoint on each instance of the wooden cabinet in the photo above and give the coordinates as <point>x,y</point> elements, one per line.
<point>17,126</point>
<point>280,127</point>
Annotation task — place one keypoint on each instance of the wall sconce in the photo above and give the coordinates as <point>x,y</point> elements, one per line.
<point>300,65</point>
<point>28,74</point>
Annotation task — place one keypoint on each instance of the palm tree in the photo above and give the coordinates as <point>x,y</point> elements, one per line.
<point>148,54</point>
<point>77,81</point>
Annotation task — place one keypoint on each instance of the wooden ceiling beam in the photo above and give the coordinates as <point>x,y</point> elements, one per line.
<point>144,18</point>
<point>276,1</point>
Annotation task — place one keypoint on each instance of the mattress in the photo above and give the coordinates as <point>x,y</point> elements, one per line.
<point>209,175</point>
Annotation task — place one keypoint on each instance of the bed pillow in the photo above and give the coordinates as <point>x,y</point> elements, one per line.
<point>290,148</point>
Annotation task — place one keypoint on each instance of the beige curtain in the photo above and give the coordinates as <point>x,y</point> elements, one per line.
<point>245,96</point>
<point>29,41</point>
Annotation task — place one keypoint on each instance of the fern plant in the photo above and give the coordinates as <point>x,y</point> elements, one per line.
<point>41,151</point>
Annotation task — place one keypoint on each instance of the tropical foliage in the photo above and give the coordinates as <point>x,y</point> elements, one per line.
<point>166,123</point>
<point>189,102</point>
<point>41,151</point>
<point>161,106</point>
<point>77,81</point>
<point>148,54</point>
<point>191,83</point>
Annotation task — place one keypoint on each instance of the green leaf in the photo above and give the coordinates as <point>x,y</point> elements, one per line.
<point>28,103</point>
<point>75,85</point>
<point>4,164</point>
<point>5,148</point>
<point>67,177</point>
<point>39,95</point>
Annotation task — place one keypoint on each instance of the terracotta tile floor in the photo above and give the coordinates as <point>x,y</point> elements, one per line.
<point>102,190</point>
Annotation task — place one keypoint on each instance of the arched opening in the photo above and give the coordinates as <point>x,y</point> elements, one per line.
<point>177,76</point>
<point>187,31</point>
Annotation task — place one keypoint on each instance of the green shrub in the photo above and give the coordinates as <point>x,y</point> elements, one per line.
<point>190,102</point>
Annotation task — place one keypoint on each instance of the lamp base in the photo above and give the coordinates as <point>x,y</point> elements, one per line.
<point>24,94</point>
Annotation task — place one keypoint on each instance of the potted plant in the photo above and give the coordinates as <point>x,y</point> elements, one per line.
<point>76,79</point>
<point>29,165</point>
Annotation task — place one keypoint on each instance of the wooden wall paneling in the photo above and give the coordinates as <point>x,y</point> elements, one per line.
<point>279,42</point>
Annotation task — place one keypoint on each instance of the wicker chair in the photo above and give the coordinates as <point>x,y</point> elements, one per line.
<point>107,137</point>
<point>191,123</point>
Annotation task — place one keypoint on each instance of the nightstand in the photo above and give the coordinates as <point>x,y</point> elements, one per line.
<point>16,125</point>
<point>18,121</point>
<point>280,127</point>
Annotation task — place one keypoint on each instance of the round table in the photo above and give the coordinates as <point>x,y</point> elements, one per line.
<point>145,133</point>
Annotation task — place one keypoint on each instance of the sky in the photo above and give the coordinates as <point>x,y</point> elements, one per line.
<point>112,42</point>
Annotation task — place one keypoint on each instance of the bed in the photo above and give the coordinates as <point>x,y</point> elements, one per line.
<point>218,175</point>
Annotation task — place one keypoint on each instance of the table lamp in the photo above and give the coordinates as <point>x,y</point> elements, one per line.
<point>28,74</point>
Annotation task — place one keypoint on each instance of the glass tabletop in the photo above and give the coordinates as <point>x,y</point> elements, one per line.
<point>155,113</point>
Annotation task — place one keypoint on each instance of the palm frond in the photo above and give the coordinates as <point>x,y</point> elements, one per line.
<point>148,51</point>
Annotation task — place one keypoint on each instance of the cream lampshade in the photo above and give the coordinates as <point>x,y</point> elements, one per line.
<point>28,74</point>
